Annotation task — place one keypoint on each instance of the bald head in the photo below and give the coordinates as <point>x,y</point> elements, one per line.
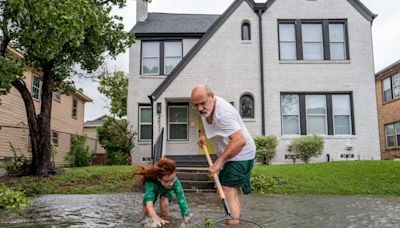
<point>202,90</point>
<point>203,99</point>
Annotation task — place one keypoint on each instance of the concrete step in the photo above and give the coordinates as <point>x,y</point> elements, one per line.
<point>190,184</point>
<point>190,157</point>
<point>191,176</point>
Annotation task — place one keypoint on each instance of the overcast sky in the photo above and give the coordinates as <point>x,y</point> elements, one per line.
<point>385,29</point>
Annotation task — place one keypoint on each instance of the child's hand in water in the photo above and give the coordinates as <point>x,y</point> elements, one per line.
<point>186,219</point>
<point>158,222</point>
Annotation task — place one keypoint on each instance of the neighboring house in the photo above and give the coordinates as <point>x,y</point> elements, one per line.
<point>90,131</point>
<point>291,68</point>
<point>388,99</point>
<point>67,118</point>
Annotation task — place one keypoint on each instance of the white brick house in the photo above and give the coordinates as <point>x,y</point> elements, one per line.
<point>312,73</point>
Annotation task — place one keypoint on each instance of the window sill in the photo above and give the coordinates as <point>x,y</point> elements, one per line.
<point>392,100</point>
<point>392,148</point>
<point>323,136</point>
<point>246,42</point>
<point>153,76</point>
<point>144,143</point>
<point>314,61</point>
<point>248,120</point>
<point>178,142</point>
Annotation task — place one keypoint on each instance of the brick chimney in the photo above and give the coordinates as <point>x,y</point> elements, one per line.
<point>141,10</point>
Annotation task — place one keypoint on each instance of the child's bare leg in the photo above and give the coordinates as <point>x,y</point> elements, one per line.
<point>164,206</point>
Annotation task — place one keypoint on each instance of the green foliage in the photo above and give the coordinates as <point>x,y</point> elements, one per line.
<point>266,148</point>
<point>116,137</point>
<point>208,223</point>
<point>53,153</point>
<point>115,87</point>
<point>306,147</point>
<point>10,70</point>
<point>79,155</point>
<point>265,184</point>
<point>17,163</point>
<point>12,199</point>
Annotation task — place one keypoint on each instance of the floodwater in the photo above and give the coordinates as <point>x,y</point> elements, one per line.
<point>124,210</point>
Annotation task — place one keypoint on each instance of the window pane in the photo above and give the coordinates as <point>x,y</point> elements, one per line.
<point>341,104</point>
<point>398,133</point>
<point>396,85</point>
<point>342,125</point>
<point>150,66</point>
<point>178,131</point>
<point>290,125</point>
<point>288,50</point>
<point>390,141</point>
<point>177,114</point>
<point>316,125</point>
<point>312,32</point>
<point>150,49</point>
<point>388,95</point>
<point>390,129</point>
<point>290,105</point>
<point>247,106</point>
<point>145,115</point>
<point>287,32</point>
<point>338,51</point>
<point>245,31</point>
<point>173,49</point>
<point>145,132</point>
<point>336,33</point>
<point>312,51</point>
<point>170,64</point>
<point>386,84</point>
<point>316,104</point>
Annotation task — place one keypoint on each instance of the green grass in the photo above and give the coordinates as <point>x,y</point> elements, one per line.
<point>2,165</point>
<point>336,178</point>
<point>85,180</point>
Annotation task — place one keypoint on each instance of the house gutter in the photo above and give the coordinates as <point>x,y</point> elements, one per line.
<point>260,10</point>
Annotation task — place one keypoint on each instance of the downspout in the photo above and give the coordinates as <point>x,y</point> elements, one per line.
<point>260,12</point>
<point>152,125</point>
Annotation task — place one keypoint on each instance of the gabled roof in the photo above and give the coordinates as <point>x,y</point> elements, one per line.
<point>218,23</point>
<point>393,65</point>
<point>196,48</point>
<point>96,122</point>
<point>168,23</point>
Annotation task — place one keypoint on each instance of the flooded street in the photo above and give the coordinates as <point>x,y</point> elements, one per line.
<point>124,210</point>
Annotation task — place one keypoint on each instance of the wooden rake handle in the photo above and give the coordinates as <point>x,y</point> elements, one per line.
<point>217,183</point>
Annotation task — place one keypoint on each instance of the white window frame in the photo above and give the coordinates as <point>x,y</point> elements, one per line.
<point>35,77</point>
<point>55,138</point>
<point>397,133</point>
<point>172,57</point>
<point>349,115</point>
<point>187,122</point>
<point>57,96</point>
<point>298,116</point>
<point>150,57</point>
<point>287,41</point>
<point>325,115</point>
<point>74,108</point>
<point>143,124</point>
<point>393,135</point>
<point>321,42</point>
<point>337,42</point>
<point>395,86</point>
<point>245,33</point>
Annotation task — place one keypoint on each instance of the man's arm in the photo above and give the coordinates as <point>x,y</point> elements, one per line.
<point>236,144</point>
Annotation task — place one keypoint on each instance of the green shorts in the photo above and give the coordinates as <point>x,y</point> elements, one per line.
<point>237,174</point>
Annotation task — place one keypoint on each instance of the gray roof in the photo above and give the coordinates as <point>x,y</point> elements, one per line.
<point>175,23</point>
<point>96,122</point>
<point>397,63</point>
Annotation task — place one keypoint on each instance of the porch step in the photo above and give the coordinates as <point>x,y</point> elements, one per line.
<point>191,160</point>
<point>191,176</point>
<point>195,179</point>
<point>191,184</point>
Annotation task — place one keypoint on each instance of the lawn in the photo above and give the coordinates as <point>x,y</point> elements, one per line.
<point>85,180</point>
<point>335,178</point>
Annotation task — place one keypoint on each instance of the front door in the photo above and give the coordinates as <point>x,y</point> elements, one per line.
<point>209,145</point>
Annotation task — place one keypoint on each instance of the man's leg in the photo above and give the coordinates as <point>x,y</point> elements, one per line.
<point>164,207</point>
<point>233,202</point>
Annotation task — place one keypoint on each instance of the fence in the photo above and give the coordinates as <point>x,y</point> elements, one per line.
<point>15,139</point>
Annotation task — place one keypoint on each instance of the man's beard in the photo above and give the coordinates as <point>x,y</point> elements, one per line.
<point>206,113</point>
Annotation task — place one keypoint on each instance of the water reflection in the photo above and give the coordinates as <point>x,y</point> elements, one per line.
<point>124,210</point>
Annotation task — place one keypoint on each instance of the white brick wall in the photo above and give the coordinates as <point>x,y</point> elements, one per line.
<point>231,67</point>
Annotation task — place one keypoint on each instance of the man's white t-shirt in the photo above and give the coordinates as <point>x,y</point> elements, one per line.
<point>226,121</point>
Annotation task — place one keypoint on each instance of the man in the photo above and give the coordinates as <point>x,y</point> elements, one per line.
<point>235,147</point>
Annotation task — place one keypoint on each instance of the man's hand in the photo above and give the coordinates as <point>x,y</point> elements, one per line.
<point>215,168</point>
<point>202,139</point>
<point>159,222</point>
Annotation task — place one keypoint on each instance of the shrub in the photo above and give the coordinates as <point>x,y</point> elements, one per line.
<point>306,147</point>
<point>18,165</point>
<point>266,148</point>
<point>12,199</point>
<point>264,184</point>
<point>117,158</point>
<point>79,155</point>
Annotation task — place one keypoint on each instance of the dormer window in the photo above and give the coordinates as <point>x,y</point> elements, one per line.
<point>246,31</point>
<point>160,57</point>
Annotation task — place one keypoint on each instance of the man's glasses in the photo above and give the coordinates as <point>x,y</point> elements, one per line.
<point>202,104</point>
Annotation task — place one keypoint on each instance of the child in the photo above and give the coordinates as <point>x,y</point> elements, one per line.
<point>160,181</point>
